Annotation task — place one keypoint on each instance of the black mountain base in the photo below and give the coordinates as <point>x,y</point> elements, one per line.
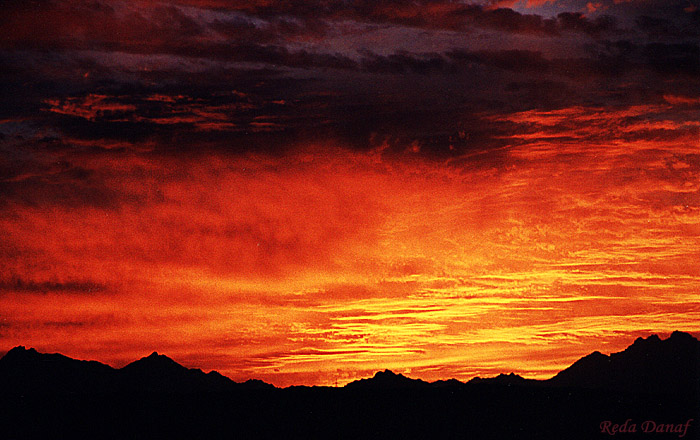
<point>650,390</point>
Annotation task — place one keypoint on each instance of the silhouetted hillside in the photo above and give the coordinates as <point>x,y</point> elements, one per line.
<point>511,379</point>
<point>651,365</point>
<point>159,373</point>
<point>385,380</point>
<point>26,370</point>
<point>52,396</point>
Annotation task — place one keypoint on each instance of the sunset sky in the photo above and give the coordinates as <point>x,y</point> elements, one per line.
<point>311,191</point>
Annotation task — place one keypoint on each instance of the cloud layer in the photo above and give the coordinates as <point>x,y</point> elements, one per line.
<point>306,191</point>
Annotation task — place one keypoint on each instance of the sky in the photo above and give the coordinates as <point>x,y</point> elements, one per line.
<point>306,192</point>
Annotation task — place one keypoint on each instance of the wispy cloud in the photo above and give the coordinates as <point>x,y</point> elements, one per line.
<point>310,191</point>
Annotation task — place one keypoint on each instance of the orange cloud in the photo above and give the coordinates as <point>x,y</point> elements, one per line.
<point>325,264</point>
<point>681,100</point>
<point>90,107</point>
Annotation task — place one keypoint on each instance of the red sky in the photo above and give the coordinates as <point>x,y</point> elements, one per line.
<point>307,193</point>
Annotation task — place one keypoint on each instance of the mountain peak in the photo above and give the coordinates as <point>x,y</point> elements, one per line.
<point>157,356</point>
<point>387,379</point>
<point>503,379</point>
<point>158,372</point>
<point>20,354</point>
<point>651,364</point>
<point>681,336</point>
<point>387,374</point>
<point>26,370</point>
<point>650,340</point>
<point>21,349</point>
<point>158,359</point>
<point>155,361</point>
<point>653,345</point>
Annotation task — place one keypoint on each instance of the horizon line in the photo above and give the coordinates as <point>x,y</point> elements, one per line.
<point>378,371</point>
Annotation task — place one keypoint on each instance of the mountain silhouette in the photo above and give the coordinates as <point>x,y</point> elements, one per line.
<point>26,370</point>
<point>651,364</point>
<point>159,373</point>
<point>384,380</point>
<point>53,396</point>
<point>510,379</point>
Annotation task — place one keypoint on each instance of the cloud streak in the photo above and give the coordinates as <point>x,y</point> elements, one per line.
<point>368,260</point>
<point>306,192</point>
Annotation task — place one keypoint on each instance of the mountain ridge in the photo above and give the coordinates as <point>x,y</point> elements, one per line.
<point>53,396</point>
<point>653,364</point>
<point>658,365</point>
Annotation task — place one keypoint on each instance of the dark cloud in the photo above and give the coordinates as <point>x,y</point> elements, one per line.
<point>41,287</point>
<point>404,62</point>
<point>657,28</point>
<point>441,14</point>
<point>508,20</point>
<point>66,188</point>
<point>264,76</point>
<point>676,58</point>
<point>95,25</point>
<point>38,173</point>
<point>275,29</point>
<point>575,21</point>
<point>514,60</point>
